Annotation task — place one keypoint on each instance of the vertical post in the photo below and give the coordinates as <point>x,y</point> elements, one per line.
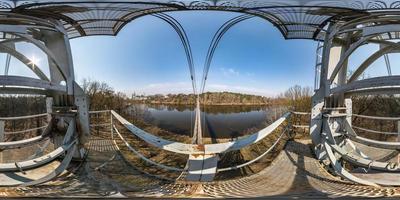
<point>112,126</point>
<point>398,140</point>
<point>349,110</point>
<point>98,124</point>
<point>291,121</point>
<point>2,125</point>
<point>49,108</point>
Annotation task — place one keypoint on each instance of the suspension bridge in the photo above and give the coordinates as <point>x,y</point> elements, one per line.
<point>81,153</point>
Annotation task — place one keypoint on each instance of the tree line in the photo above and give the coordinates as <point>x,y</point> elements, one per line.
<point>103,97</point>
<point>208,98</point>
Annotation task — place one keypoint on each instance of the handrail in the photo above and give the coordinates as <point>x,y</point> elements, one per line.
<point>363,162</point>
<point>301,126</point>
<point>56,172</point>
<point>100,125</point>
<point>26,130</point>
<point>183,148</point>
<point>374,131</point>
<point>68,142</point>
<point>26,142</point>
<point>300,113</point>
<point>374,143</point>
<point>29,164</point>
<point>255,159</point>
<point>22,143</point>
<point>379,118</point>
<point>98,111</point>
<point>23,117</point>
<point>142,156</point>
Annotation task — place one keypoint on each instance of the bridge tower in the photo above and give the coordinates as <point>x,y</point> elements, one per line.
<point>331,120</point>
<point>66,103</point>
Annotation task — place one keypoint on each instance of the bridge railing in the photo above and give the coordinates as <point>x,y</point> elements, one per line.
<point>143,145</point>
<point>300,120</point>
<point>389,129</point>
<point>17,127</point>
<point>140,155</point>
<point>22,151</point>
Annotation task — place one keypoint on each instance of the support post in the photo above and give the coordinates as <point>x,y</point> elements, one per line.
<point>112,126</point>
<point>49,108</point>
<point>2,134</point>
<point>398,140</point>
<point>349,110</point>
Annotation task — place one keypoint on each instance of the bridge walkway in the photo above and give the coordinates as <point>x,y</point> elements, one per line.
<point>294,173</point>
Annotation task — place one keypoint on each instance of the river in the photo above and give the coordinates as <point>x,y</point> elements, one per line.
<point>217,121</point>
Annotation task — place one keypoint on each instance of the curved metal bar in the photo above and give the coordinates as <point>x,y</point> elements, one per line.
<point>339,170</point>
<point>364,162</point>
<point>43,160</point>
<point>378,118</point>
<point>40,150</point>
<point>30,82</point>
<point>60,169</point>
<point>381,158</point>
<point>183,148</point>
<point>214,43</point>
<point>32,66</point>
<point>22,143</point>
<point>255,159</point>
<point>37,162</point>
<point>143,157</point>
<point>99,111</point>
<point>374,131</point>
<point>337,166</point>
<point>370,60</point>
<point>23,117</point>
<point>27,142</point>
<point>346,56</point>
<point>384,82</point>
<point>185,42</point>
<point>379,144</point>
<point>25,131</point>
<point>300,113</point>
<point>50,54</point>
<point>356,149</point>
<point>137,168</point>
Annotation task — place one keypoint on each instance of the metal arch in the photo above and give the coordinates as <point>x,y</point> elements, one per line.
<point>274,17</point>
<point>185,42</point>
<point>373,58</point>
<point>214,43</point>
<point>346,56</point>
<point>32,66</point>
<point>50,54</point>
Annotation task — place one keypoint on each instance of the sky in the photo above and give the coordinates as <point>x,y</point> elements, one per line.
<point>147,57</point>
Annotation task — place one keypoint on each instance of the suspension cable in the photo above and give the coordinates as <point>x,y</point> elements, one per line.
<point>214,43</point>
<point>185,42</point>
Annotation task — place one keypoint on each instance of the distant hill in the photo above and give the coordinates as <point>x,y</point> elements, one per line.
<point>209,98</point>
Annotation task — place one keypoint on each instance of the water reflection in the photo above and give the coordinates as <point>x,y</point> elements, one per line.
<point>217,121</point>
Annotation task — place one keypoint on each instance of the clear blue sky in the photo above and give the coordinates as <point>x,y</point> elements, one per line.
<point>147,56</point>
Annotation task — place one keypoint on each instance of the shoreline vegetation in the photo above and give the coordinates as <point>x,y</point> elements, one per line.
<point>209,99</point>
<point>104,97</point>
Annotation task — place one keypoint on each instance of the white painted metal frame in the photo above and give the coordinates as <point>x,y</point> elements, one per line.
<point>331,129</point>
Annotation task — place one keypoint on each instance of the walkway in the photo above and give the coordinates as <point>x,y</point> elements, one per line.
<point>294,173</point>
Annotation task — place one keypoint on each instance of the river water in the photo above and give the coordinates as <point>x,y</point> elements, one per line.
<point>217,121</point>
